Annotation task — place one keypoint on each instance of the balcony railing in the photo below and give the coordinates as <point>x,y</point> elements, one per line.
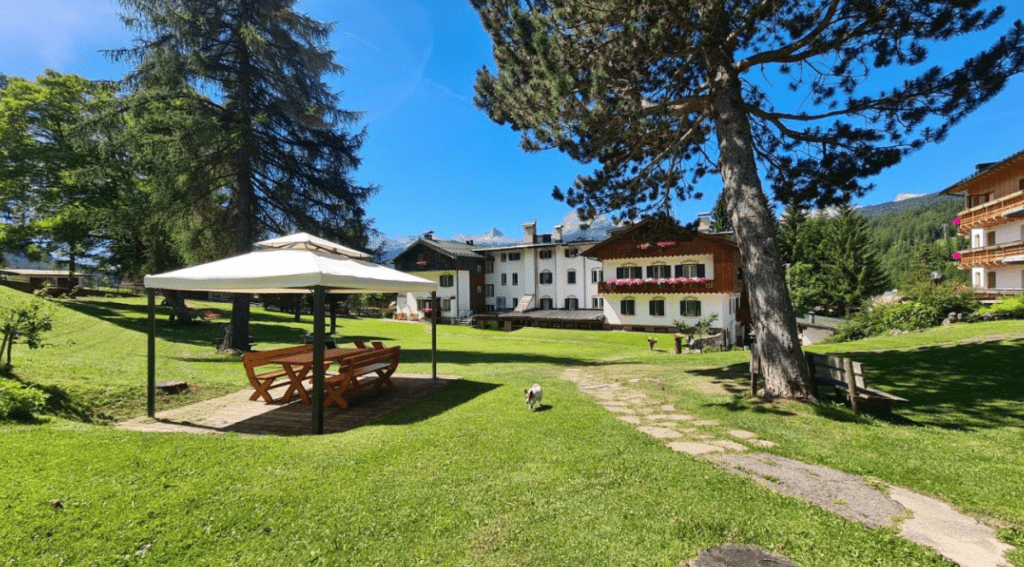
<point>995,293</point>
<point>657,287</point>
<point>992,255</point>
<point>992,213</point>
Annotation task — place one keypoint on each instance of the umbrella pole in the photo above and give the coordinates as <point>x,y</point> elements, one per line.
<point>433,334</point>
<point>318,360</point>
<point>151,354</point>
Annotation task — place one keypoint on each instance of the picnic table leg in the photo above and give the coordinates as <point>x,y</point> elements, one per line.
<point>296,384</point>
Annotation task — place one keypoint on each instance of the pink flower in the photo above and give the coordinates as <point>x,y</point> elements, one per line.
<point>645,246</point>
<point>957,255</point>
<point>664,244</point>
<point>956,220</point>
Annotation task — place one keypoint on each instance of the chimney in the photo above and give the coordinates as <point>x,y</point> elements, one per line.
<point>978,168</point>
<point>429,235</point>
<point>704,222</point>
<point>558,233</point>
<point>469,242</point>
<point>529,232</point>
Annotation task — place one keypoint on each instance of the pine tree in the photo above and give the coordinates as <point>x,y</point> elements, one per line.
<point>720,219</point>
<point>287,156</point>
<point>852,273</point>
<point>660,93</point>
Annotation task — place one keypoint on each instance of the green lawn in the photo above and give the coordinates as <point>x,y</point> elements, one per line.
<point>468,476</point>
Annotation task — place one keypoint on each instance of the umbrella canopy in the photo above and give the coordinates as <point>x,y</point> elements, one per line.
<point>304,241</point>
<point>290,271</point>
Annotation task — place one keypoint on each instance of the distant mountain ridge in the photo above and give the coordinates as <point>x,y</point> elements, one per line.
<point>573,230</point>
<point>904,203</point>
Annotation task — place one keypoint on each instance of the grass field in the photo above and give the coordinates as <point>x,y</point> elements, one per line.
<point>468,476</point>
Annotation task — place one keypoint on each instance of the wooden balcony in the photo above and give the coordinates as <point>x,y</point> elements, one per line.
<point>604,288</point>
<point>996,293</point>
<point>998,255</point>
<point>993,213</point>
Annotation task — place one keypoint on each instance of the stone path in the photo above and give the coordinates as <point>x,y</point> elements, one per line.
<point>921,519</point>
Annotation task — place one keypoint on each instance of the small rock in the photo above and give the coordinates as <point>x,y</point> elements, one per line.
<point>57,505</point>
<point>733,555</point>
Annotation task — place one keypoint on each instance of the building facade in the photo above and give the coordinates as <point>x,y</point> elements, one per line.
<point>456,267</point>
<point>655,277</point>
<point>993,220</point>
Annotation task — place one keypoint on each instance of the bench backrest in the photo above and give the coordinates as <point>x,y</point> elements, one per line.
<point>370,357</point>
<point>835,367</point>
<point>253,360</point>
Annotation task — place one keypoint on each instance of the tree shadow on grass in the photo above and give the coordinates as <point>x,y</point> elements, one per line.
<point>60,403</point>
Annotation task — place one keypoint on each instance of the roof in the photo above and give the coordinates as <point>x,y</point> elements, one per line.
<point>985,172</point>
<point>684,235</point>
<point>524,245</point>
<point>305,241</point>
<point>41,273</point>
<point>451,247</point>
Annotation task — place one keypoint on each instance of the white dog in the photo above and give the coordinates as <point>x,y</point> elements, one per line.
<point>533,396</point>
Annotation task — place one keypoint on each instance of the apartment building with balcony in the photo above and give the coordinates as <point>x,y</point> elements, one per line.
<point>993,220</point>
<point>656,275</point>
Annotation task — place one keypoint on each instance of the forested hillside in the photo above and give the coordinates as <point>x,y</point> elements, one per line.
<point>920,234</point>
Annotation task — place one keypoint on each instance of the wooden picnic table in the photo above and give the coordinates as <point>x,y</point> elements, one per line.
<point>297,367</point>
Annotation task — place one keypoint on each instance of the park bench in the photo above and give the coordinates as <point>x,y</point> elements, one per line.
<point>845,377</point>
<point>264,382</point>
<point>372,369</point>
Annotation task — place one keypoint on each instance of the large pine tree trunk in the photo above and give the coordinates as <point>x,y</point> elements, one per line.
<point>785,370</point>
<point>176,299</point>
<point>244,194</point>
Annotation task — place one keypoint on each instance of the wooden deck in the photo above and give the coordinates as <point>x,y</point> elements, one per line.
<point>236,413</point>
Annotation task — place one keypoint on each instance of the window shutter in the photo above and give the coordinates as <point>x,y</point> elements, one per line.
<point>700,270</point>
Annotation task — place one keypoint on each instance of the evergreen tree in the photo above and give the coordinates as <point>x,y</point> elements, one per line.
<point>652,89</point>
<point>852,273</point>
<point>287,158</point>
<point>53,188</point>
<point>720,220</point>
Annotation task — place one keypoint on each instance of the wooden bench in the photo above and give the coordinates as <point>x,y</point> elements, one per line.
<point>380,362</point>
<point>845,377</point>
<point>263,383</point>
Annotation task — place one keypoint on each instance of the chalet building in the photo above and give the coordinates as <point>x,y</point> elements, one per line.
<point>31,280</point>
<point>543,281</point>
<point>993,220</point>
<point>458,270</point>
<point>655,275</point>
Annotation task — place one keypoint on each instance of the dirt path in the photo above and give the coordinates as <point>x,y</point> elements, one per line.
<point>921,519</point>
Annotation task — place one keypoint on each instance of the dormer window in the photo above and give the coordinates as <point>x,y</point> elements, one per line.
<point>572,252</point>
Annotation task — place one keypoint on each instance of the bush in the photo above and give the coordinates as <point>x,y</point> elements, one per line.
<point>882,318</point>
<point>18,401</point>
<point>945,298</point>
<point>1009,307</point>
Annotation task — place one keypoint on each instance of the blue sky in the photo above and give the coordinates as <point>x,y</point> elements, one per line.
<point>442,164</point>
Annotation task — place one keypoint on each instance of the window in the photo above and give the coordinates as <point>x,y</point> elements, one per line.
<point>571,277</point>
<point>991,284</point>
<point>447,280</point>
<point>515,279</point>
<point>515,256</point>
<point>479,289</point>
<point>689,308</point>
<point>420,258</point>
<point>597,302</point>
<point>489,290</point>
<point>629,272</point>
<point>479,268</point>
<point>598,275</point>
<point>571,252</point>
<point>488,307</point>
<point>545,277</point>
<point>977,279</point>
<point>657,307</point>
<point>504,257</point>
<point>515,301</point>
<point>501,302</point>
<point>627,307</point>
<point>446,304</point>
<point>504,279</point>
<point>572,303</point>
<point>659,272</point>
<point>990,238</point>
<point>545,254</point>
<point>489,267</point>
<point>977,241</point>
<point>689,271</point>
<point>545,303</point>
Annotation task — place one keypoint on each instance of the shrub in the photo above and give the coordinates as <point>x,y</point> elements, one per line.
<point>1010,307</point>
<point>18,401</point>
<point>882,318</point>
<point>944,298</point>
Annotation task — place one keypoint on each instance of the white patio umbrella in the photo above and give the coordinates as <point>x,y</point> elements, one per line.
<point>298,263</point>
